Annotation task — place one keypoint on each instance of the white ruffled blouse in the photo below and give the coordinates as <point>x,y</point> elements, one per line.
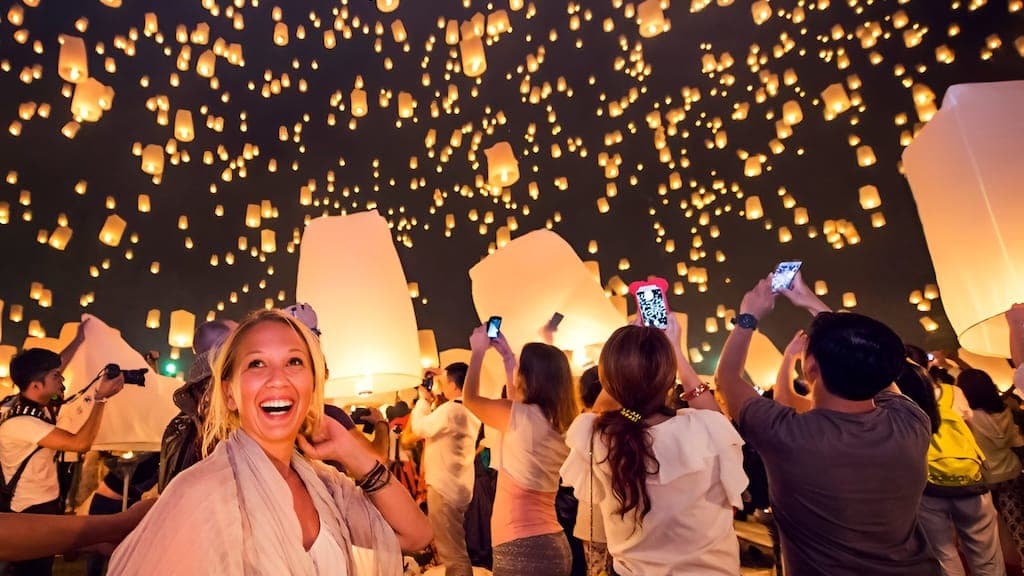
<point>700,479</point>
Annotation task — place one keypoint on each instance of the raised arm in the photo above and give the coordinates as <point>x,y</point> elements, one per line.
<point>81,441</point>
<point>729,376</point>
<point>393,501</point>
<point>72,347</point>
<point>685,372</point>
<point>491,411</point>
<point>785,393</point>
<point>803,297</point>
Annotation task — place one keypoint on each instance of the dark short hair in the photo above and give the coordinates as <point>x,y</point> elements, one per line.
<point>32,365</point>
<point>981,392</point>
<point>858,356</point>
<point>590,387</point>
<point>457,372</point>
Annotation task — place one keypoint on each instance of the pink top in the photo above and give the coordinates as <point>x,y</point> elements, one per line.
<point>531,454</point>
<point>521,513</point>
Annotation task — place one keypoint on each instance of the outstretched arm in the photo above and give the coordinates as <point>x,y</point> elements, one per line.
<point>729,376</point>
<point>28,536</point>
<point>494,412</point>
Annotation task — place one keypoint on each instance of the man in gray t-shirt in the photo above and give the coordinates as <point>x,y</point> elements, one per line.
<point>845,477</point>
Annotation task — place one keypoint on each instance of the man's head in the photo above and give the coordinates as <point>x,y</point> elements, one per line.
<point>854,357</point>
<point>590,387</point>
<point>454,379</point>
<point>36,373</point>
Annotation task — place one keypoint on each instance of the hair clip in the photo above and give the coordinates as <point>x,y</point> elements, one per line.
<point>631,415</point>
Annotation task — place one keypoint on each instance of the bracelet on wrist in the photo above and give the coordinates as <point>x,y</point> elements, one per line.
<point>691,395</point>
<point>99,400</point>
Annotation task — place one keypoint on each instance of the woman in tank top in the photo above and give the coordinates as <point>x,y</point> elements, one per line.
<point>541,404</point>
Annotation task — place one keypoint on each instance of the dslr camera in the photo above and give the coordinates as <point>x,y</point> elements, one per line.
<point>136,377</point>
<point>359,416</point>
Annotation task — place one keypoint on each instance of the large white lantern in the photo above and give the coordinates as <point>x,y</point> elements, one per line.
<point>134,419</point>
<point>350,273</point>
<point>533,277</point>
<point>965,173</point>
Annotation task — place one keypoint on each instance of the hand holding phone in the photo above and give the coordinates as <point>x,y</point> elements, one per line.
<point>552,324</point>
<point>651,301</point>
<point>493,327</point>
<point>784,275</point>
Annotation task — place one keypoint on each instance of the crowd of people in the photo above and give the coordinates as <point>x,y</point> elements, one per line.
<point>880,459</point>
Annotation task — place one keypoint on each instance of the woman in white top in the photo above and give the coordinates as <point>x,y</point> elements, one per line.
<point>257,506</point>
<point>526,537</point>
<point>664,483</point>
<point>997,435</point>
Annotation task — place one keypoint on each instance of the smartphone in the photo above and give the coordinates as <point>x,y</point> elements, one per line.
<point>428,383</point>
<point>493,327</point>
<point>784,275</point>
<point>556,319</point>
<point>651,303</point>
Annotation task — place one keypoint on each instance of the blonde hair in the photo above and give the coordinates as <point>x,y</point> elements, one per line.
<point>220,420</point>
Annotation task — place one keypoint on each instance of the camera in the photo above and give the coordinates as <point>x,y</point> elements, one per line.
<point>136,377</point>
<point>359,417</point>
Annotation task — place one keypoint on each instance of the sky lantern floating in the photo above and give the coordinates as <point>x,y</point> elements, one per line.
<point>369,329</point>
<point>835,100</point>
<point>153,319</point>
<point>183,127</point>
<point>849,300</point>
<point>73,62</point>
<point>761,11</point>
<point>268,241</point>
<point>90,100</point>
<point>792,115</point>
<point>60,237</point>
<point>474,60</point>
<point>359,107</point>
<point>183,326</point>
<point>113,229</point>
<point>428,349</point>
<point>386,6</point>
<point>281,34</point>
<point>6,354</point>
<point>405,105</point>
<point>206,65</point>
<point>135,420</point>
<point>502,166</point>
<point>752,208</point>
<point>550,278</point>
<point>153,159</point>
<point>965,157</point>
<point>865,156</point>
<point>651,19</point>
<point>869,197</point>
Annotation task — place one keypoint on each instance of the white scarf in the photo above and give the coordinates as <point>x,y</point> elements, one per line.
<point>232,514</point>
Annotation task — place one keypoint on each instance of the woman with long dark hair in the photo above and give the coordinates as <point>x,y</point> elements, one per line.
<point>664,483</point>
<point>525,532</point>
<point>997,434</point>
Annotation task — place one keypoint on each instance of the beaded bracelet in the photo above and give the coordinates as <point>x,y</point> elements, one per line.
<point>377,478</point>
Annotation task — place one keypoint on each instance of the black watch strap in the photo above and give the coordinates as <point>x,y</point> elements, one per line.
<point>747,321</point>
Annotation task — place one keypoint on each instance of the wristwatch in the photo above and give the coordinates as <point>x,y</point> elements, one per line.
<point>747,321</point>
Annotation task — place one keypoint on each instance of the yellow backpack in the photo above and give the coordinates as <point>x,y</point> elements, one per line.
<point>954,458</point>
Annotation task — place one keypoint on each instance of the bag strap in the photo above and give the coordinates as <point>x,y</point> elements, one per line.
<point>13,484</point>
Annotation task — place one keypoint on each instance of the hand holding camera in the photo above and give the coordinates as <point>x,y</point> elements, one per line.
<point>109,386</point>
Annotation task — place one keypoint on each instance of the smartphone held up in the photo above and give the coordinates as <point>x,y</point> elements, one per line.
<point>493,327</point>
<point>784,275</point>
<point>651,301</point>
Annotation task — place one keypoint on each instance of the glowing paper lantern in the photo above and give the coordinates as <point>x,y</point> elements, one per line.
<point>753,208</point>
<point>997,368</point>
<point>849,300</point>
<point>761,11</point>
<point>474,60</point>
<point>183,128</point>
<point>651,18</point>
<point>90,100</point>
<point>792,115</point>
<point>966,158</point>
<point>73,63</point>
<point>206,65</point>
<point>60,237</point>
<point>112,230</point>
<point>428,348</point>
<point>281,34</point>
<point>153,319</point>
<point>369,327</point>
<point>835,100</point>
<point>387,5</point>
<point>134,419</point>
<point>153,159</point>
<point>183,325</point>
<point>359,107</point>
<point>492,374</point>
<point>6,354</point>
<point>268,241</point>
<point>502,166</point>
<point>550,278</point>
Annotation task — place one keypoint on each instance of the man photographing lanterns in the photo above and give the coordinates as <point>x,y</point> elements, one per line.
<point>30,439</point>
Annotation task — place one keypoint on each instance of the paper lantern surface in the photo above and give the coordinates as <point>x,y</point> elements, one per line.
<point>350,273</point>
<point>134,419</point>
<point>492,375</point>
<point>763,361</point>
<point>998,368</point>
<point>965,173</point>
<point>533,277</point>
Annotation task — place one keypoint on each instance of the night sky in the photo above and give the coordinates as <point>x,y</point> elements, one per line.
<point>584,68</point>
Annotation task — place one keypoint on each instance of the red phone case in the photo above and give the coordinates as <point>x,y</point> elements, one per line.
<point>661,283</point>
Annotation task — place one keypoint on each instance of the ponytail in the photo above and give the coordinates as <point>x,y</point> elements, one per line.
<point>631,459</point>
